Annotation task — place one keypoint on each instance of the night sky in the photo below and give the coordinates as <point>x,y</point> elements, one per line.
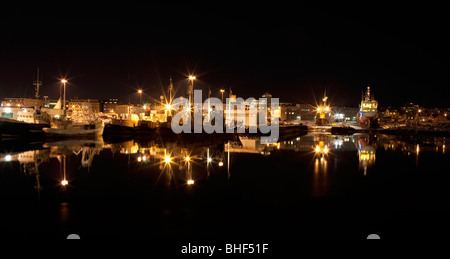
<point>293,51</point>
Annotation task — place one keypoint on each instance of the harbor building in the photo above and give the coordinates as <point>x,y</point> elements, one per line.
<point>110,105</point>
<point>22,102</point>
<point>390,115</point>
<point>345,114</point>
<point>88,104</point>
<point>297,113</point>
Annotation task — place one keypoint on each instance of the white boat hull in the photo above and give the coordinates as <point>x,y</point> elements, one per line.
<point>74,132</point>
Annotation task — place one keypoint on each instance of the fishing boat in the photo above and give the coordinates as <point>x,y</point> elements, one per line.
<point>68,128</point>
<point>81,123</point>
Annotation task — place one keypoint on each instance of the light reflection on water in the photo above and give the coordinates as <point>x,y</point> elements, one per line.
<point>64,169</point>
<point>176,162</point>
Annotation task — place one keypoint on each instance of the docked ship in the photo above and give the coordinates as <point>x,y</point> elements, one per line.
<point>80,123</point>
<point>68,128</point>
<point>10,128</point>
<point>24,119</point>
<point>22,122</point>
<point>368,114</point>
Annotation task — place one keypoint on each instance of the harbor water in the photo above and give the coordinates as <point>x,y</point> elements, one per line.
<point>314,186</point>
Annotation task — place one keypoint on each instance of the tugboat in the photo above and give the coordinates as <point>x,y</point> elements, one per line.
<point>368,114</point>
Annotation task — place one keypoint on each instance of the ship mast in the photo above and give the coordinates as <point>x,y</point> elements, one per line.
<point>171,91</point>
<point>38,84</point>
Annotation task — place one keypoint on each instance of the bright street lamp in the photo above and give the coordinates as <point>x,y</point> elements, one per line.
<point>168,159</point>
<point>140,92</point>
<point>222,91</point>
<point>64,82</point>
<point>191,89</point>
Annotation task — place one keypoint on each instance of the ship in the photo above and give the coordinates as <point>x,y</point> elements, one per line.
<point>68,128</point>
<point>368,114</point>
<point>24,121</point>
<point>12,129</point>
<point>81,123</point>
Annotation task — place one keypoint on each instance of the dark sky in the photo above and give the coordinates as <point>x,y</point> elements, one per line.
<point>293,51</point>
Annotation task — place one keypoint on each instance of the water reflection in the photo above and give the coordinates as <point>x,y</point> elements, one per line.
<point>366,152</point>
<point>173,188</point>
<point>188,164</point>
<point>251,145</point>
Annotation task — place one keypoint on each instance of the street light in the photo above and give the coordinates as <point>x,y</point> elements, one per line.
<point>222,91</point>
<point>140,92</point>
<point>64,82</point>
<point>191,89</point>
<point>168,159</point>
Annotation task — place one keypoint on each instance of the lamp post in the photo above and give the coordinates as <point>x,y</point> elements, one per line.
<point>191,90</point>
<point>140,92</point>
<point>222,91</point>
<point>64,82</point>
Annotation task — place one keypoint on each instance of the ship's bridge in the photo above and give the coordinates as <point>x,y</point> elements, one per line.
<point>370,105</point>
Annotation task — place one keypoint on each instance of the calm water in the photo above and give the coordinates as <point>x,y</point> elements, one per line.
<point>315,186</point>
